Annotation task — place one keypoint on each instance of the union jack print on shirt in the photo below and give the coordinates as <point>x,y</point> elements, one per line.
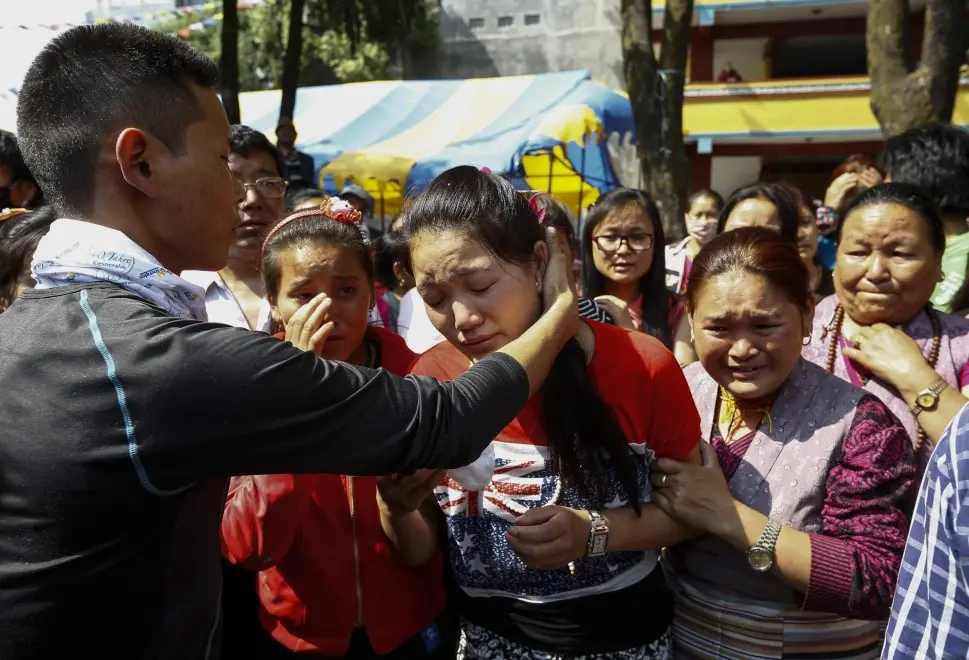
<point>478,522</point>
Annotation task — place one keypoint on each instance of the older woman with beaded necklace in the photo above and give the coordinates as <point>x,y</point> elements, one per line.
<point>879,331</point>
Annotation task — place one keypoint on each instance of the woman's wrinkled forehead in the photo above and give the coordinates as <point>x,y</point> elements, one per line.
<point>441,256</point>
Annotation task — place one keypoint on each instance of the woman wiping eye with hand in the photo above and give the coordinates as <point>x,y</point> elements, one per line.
<point>328,582</point>
<point>551,535</point>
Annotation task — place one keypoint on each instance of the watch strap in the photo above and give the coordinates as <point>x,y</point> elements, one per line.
<point>768,538</point>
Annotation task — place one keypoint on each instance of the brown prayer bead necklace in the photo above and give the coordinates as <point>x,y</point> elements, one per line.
<point>835,327</point>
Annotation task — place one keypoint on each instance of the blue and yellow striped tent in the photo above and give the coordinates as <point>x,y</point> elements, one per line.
<point>545,132</point>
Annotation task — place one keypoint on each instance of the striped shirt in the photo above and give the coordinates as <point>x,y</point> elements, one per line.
<point>590,309</point>
<point>930,615</point>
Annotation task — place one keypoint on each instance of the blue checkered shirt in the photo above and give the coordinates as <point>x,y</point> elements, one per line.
<point>930,614</point>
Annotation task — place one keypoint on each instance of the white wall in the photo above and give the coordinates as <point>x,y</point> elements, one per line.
<point>746,55</point>
<point>728,173</point>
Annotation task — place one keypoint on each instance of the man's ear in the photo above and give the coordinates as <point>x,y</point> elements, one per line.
<point>134,150</point>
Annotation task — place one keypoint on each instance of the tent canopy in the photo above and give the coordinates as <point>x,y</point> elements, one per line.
<point>545,132</point>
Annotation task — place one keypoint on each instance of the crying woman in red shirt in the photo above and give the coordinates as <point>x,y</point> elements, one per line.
<point>328,582</point>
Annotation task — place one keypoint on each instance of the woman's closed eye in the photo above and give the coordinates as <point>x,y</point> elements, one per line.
<point>432,300</point>
<point>480,287</point>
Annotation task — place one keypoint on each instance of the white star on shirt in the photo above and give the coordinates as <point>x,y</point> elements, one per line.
<point>478,566</point>
<point>466,543</point>
<point>617,502</point>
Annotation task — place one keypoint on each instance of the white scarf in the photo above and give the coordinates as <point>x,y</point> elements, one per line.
<point>75,251</point>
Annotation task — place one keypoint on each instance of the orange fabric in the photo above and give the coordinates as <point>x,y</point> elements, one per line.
<point>634,374</point>
<point>297,531</point>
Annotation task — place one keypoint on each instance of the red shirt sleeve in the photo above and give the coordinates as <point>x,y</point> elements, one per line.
<point>443,362</point>
<point>262,516</point>
<point>674,423</point>
<point>644,386</point>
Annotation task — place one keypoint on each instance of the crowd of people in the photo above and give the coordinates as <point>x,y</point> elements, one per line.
<point>481,433</point>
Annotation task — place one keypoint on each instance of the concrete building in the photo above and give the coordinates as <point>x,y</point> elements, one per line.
<point>777,89</point>
<point>481,38</point>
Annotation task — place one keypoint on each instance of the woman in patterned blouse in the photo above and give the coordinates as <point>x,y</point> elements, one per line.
<point>552,537</point>
<point>806,483</point>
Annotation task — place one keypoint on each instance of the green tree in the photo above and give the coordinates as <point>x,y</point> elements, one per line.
<point>342,40</point>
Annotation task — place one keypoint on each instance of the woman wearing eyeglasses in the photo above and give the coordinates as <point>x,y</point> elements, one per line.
<point>624,269</point>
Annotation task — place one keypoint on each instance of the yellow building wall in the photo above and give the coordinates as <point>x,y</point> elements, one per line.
<point>814,107</point>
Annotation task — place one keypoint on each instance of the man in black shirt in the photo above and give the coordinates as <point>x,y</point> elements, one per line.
<point>122,415</point>
<point>297,166</point>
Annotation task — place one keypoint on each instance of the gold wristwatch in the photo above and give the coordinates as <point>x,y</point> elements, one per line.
<point>928,399</point>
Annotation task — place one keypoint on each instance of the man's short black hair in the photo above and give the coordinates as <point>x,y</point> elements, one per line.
<point>245,141</point>
<point>934,158</point>
<point>95,79</point>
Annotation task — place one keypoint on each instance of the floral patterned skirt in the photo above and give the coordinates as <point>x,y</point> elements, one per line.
<point>479,643</point>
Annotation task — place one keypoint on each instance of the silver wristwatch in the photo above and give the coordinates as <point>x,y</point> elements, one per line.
<point>598,535</point>
<point>760,556</point>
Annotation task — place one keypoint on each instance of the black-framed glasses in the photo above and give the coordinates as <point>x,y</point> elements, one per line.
<point>270,187</point>
<point>613,242</point>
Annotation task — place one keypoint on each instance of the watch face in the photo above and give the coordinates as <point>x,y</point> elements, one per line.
<point>926,400</point>
<point>760,559</point>
<point>599,543</point>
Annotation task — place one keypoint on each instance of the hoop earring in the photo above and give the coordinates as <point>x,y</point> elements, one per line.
<point>806,341</point>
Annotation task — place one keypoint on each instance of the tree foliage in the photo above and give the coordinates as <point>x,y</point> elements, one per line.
<point>342,40</point>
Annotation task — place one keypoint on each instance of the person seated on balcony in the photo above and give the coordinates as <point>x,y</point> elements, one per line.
<point>729,75</point>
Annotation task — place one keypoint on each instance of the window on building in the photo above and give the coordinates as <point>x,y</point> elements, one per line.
<point>506,21</point>
<point>532,19</point>
<point>819,56</point>
<point>476,23</point>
